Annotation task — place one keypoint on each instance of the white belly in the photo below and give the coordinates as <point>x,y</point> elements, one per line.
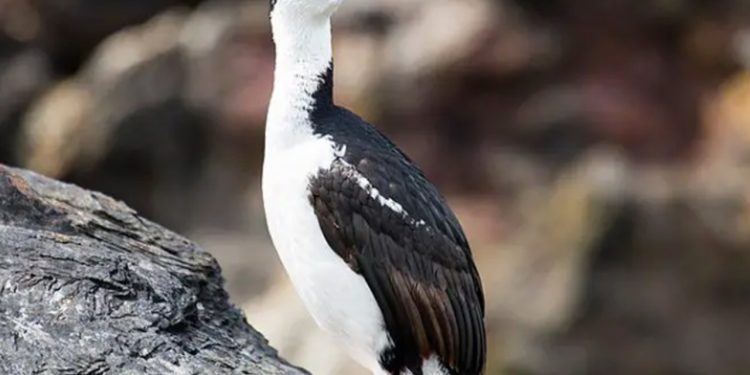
<point>338,299</point>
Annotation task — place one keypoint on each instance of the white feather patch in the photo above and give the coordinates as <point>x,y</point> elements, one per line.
<point>375,194</point>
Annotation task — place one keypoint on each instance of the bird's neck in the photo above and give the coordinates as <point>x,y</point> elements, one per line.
<point>303,73</point>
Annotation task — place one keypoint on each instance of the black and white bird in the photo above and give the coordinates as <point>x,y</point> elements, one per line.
<point>370,245</point>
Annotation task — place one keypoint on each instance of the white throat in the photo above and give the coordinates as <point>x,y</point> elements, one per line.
<point>303,55</point>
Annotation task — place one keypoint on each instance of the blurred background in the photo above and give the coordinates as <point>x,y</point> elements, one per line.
<point>596,152</point>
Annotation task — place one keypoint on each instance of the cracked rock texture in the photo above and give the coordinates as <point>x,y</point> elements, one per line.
<point>89,287</point>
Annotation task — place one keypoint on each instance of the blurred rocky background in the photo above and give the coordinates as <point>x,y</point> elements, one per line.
<point>597,153</point>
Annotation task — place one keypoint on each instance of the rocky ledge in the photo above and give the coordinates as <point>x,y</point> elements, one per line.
<point>89,287</point>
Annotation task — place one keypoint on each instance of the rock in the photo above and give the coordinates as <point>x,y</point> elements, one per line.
<point>88,286</point>
<point>742,47</point>
<point>617,268</point>
<point>24,74</point>
<point>122,125</point>
<point>71,29</point>
<point>453,26</point>
<point>728,120</point>
<point>163,113</point>
<point>55,136</point>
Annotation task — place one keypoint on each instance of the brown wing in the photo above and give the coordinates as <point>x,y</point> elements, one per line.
<point>417,262</point>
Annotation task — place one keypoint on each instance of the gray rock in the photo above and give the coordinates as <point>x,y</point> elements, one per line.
<point>24,74</point>
<point>89,287</point>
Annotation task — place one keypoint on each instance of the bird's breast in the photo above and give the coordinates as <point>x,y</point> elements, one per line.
<point>338,298</point>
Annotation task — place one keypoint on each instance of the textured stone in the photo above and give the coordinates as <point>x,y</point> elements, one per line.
<point>89,287</point>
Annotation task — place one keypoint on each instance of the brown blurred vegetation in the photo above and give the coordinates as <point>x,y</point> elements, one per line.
<point>597,153</point>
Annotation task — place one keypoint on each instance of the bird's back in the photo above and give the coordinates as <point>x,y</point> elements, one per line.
<point>392,226</point>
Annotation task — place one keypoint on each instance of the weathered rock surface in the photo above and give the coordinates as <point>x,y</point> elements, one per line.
<point>89,287</point>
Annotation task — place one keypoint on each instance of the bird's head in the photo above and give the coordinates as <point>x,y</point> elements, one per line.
<point>304,8</point>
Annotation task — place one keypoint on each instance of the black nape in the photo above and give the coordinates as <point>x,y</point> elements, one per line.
<point>323,96</point>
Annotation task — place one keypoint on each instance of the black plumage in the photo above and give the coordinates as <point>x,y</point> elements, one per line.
<point>416,262</point>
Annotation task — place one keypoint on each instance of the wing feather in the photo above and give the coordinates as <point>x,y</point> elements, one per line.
<point>416,262</point>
